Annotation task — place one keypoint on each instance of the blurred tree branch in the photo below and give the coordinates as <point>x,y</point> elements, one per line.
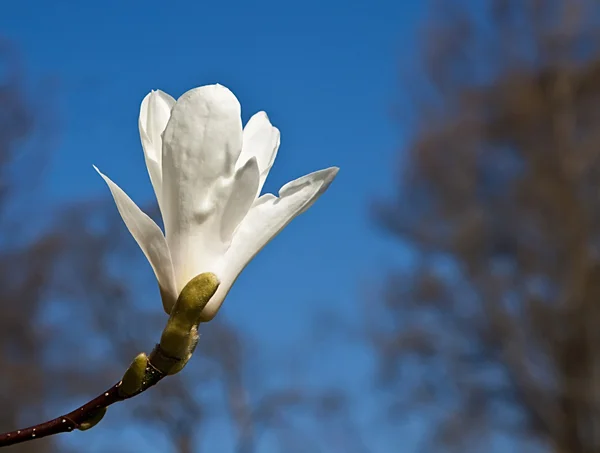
<point>499,206</point>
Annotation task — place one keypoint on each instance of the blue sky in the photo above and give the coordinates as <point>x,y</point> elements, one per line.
<point>326,72</point>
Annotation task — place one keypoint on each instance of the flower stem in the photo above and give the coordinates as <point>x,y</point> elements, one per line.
<point>82,418</point>
<point>177,344</point>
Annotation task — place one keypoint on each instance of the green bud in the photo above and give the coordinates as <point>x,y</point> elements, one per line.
<point>133,378</point>
<point>174,340</point>
<point>171,365</point>
<point>93,419</point>
<point>191,344</point>
<point>194,297</point>
<point>180,336</point>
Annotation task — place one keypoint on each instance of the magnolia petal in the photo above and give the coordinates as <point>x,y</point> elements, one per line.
<point>201,144</point>
<point>242,195</point>
<point>155,112</point>
<point>154,115</point>
<point>267,217</point>
<point>260,140</point>
<point>150,238</point>
<point>203,250</point>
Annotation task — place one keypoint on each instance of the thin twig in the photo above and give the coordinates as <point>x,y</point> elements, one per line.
<point>178,341</point>
<point>81,418</point>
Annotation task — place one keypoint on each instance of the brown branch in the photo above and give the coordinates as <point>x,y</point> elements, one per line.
<point>84,417</point>
<point>180,337</point>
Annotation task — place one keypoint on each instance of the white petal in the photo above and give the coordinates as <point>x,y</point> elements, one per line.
<point>203,248</point>
<point>201,144</point>
<point>242,195</point>
<point>154,114</point>
<point>150,239</point>
<point>260,140</point>
<point>267,217</point>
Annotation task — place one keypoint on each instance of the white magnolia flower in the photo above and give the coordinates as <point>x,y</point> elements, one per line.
<point>207,174</point>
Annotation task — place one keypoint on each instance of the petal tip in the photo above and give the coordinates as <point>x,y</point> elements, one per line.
<point>258,118</point>
<point>327,175</point>
<point>218,97</point>
<point>252,162</point>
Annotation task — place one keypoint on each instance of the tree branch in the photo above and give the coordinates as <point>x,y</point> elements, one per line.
<point>84,417</point>
<point>177,344</point>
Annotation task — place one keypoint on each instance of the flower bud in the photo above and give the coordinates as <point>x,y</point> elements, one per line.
<point>92,420</point>
<point>180,336</point>
<point>133,379</point>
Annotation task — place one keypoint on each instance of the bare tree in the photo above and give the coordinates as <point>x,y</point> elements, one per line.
<point>494,330</point>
